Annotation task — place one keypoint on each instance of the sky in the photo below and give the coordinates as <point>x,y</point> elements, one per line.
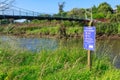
<point>51,6</point>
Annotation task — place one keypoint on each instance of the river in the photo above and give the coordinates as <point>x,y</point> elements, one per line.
<point>111,47</point>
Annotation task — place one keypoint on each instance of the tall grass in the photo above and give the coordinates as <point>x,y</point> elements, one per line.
<point>68,62</point>
<point>44,30</point>
<point>45,27</point>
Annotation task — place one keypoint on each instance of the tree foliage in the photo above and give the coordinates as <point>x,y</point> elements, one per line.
<point>105,8</point>
<point>116,18</point>
<point>61,6</point>
<point>102,11</point>
<point>76,12</point>
<point>118,8</point>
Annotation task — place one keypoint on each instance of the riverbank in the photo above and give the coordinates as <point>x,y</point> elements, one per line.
<point>112,37</point>
<point>62,29</point>
<point>67,61</point>
<point>57,36</point>
<point>63,63</point>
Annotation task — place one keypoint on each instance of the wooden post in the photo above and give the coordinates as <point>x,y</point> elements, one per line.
<point>89,52</point>
<point>89,60</point>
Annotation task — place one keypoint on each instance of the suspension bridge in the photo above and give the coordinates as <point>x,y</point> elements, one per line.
<point>15,13</point>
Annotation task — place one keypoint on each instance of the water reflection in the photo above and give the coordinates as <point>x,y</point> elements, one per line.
<point>103,47</point>
<point>111,49</point>
<point>32,44</point>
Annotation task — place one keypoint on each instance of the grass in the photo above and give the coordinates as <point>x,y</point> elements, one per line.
<point>119,29</point>
<point>74,30</point>
<point>55,30</point>
<point>52,28</point>
<point>44,30</point>
<point>41,28</point>
<point>68,62</point>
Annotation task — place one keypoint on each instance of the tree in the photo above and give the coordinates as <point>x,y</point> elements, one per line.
<point>61,6</point>
<point>77,12</point>
<point>105,8</point>
<point>94,9</point>
<point>45,15</point>
<point>98,15</point>
<point>118,8</point>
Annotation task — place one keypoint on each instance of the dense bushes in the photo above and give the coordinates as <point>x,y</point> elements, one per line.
<point>52,28</point>
<point>107,28</point>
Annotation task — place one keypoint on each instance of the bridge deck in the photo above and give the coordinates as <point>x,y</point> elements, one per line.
<point>39,18</point>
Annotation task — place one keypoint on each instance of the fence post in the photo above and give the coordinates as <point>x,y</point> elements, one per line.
<point>20,12</point>
<point>33,13</point>
<point>3,12</point>
<point>26,14</point>
<point>13,12</point>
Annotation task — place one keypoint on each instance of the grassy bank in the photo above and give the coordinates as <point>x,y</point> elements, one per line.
<point>42,29</point>
<point>65,63</point>
<point>53,28</point>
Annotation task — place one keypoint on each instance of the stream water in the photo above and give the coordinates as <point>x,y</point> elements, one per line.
<point>111,47</point>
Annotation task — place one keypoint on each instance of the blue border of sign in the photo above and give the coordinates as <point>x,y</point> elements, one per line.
<point>89,38</point>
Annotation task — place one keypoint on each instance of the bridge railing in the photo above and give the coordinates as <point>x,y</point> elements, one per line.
<point>14,11</point>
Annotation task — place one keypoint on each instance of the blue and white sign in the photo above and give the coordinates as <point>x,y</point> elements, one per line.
<point>89,38</point>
